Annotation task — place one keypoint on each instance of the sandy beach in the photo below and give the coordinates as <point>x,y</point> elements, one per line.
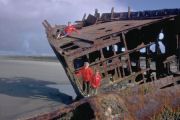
<point>30,86</point>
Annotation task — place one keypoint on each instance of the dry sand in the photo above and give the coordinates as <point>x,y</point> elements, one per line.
<point>29,87</point>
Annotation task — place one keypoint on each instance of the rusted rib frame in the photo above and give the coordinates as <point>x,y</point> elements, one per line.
<point>116,69</point>
<point>116,73</point>
<point>111,66</point>
<point>104,64</point>
<point>144,79</point>
<point>168,67</point>
<point>114,49</point>
<point>118,65</point>
<point>178,60</point>
<point>129,12</point>
<point>177,39</point>
<point>178,64</point>
<point>112,13</point>
<point>96,13</point>
<point>102,55</point>
<point>170,59</point>
<point>123,72</point>
<point>84,17</point>
<point>114,62</point>
<point>95,48</point>
<point>148,61</point>
<point>133,74</point>
<point>129,63</point>
<point>98,47</point>
<point>122,54</point>
<point>119,72</point>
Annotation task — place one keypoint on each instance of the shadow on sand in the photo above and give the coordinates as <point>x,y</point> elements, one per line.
<point>32,88</point>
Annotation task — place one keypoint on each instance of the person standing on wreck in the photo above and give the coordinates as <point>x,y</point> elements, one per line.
<point>95,82</point>
<point>87,74</point>
<point>68,30</point>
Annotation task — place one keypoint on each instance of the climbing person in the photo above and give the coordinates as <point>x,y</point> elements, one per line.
<point>95,82</point>
<point>87,74</point>
<point>60,33</point>
<point>68,30</point>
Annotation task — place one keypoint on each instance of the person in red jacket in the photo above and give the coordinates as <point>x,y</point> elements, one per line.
<point>95,82</point>
<point>87,74</point>
<point>68,30</point>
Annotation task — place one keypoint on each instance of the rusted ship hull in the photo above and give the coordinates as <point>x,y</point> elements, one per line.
<point>143,102</point>
<point>68,73</point>
<point>135,85</point>
<point>113,42</point>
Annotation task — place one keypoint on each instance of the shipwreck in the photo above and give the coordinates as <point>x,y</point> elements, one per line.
<point>138,56</point>
<point>120,45</point>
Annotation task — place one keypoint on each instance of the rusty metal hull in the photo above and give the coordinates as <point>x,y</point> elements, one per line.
<point>113,42</point>
<point>136,103</point>
<point>135,85</point>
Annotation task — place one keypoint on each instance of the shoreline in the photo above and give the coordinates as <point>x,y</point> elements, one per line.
<point>30,58</point>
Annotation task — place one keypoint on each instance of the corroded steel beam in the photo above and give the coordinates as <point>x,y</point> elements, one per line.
<point>136,103</point>
<point>139,14</point>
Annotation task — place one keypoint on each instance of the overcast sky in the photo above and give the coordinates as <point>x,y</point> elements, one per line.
<point>21,30</point>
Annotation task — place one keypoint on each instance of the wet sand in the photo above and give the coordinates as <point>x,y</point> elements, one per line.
<point>29,87</point>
